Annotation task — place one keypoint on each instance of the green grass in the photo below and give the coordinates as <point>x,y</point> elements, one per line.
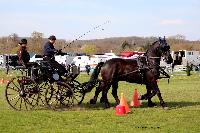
<point>182,95</point>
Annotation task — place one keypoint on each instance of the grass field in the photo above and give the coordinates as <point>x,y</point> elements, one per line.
<point>182,95</point>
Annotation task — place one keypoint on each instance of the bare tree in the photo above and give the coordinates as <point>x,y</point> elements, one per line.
<point>36,42</point>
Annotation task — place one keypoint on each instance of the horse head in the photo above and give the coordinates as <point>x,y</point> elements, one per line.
<point>158,49</point>
<point>164,50</point>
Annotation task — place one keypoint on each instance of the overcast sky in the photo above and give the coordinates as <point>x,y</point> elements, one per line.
<point>70,19</point>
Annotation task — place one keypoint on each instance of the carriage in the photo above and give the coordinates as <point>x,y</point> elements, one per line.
<point>40,84</point>
<point>25,92</point>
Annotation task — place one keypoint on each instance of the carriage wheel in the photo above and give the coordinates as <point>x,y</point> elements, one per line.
<point>22,93</point>
<point>59,96</point>
<point>78,92</point>
<point>42,90</point>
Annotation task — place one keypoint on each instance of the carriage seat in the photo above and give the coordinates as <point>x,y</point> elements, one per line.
<point>22,67</point>
<point>26,66</point>
<point>29,69</point>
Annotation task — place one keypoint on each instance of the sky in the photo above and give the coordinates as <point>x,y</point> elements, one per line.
<point>96,19</point>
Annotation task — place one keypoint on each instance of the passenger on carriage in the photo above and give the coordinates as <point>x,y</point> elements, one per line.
<point>49,52</point>
<point>23,55</point>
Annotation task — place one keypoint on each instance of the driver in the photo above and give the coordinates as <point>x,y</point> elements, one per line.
<point>49,52</point>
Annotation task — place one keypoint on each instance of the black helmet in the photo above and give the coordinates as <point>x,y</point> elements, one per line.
<point>52,37</point>
<point>23,41</point>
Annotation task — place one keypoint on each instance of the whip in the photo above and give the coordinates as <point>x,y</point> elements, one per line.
<point>93,29</point>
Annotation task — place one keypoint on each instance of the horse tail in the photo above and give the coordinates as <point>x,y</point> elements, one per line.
<point>94,78</point>
<point>96,72</point>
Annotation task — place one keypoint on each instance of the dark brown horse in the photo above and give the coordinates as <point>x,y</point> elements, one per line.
<point>144,70</point>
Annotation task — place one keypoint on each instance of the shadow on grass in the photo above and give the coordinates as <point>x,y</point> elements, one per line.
<point>181,104</point>
<point>171,105</point>
<point>101,106</point>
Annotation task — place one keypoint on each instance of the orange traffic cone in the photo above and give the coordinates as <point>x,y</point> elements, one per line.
<point>124,103</point>
<point>135,102</point>
<point>2,81</point>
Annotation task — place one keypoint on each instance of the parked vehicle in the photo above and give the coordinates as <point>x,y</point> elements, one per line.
<point>182,57</point>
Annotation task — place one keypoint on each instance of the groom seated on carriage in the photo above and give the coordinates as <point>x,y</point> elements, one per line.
<point>23,55</point>
<point>24,58</point>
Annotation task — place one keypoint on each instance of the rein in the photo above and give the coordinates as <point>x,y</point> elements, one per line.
<point>151,57</point>
<point>160,69</point>
<point>139,67</point>
<point>127,73</point>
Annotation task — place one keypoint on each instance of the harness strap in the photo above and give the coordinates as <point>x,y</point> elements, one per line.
<point>127,73</point>
<point>151,57</point>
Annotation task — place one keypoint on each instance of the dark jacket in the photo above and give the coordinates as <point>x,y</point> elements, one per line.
<point>23,55</point>
<point>49,50</point>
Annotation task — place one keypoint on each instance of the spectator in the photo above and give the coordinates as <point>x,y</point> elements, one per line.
<point>88,68</point>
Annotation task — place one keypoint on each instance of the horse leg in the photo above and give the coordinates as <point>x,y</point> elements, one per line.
<point>147,96</point>
<point>98,90</point>
<point>143,97</point>
<point>114,91</point>
<point>157,91</point>
<point>105,86</point>
<point>162,103</point>
<point>105,98</point>
<point>150,103</point>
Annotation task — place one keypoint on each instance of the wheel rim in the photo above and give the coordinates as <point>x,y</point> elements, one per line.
<point>21,93</point>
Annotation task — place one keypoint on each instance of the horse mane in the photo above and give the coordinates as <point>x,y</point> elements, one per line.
<point>150,47</point>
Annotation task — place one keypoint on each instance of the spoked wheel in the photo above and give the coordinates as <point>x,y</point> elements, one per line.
<point>42,90</point>
<point>78,92</point>
<point>22,93</point>
<point>59,96</point>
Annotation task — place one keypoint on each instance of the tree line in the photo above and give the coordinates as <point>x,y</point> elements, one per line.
<point>9,44</point>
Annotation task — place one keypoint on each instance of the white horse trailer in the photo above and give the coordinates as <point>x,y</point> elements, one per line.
<point>81,61</point>
<point>92,60</point>
<point>64,59</point>
<point>182,57</point>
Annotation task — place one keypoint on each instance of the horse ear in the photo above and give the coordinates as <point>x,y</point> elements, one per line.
<point>160,39</point>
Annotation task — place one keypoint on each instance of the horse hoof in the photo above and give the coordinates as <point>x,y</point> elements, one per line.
<point>107,105</point>
<point>151,104</point>
<point>166,108</point>
<point>92,101</point>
